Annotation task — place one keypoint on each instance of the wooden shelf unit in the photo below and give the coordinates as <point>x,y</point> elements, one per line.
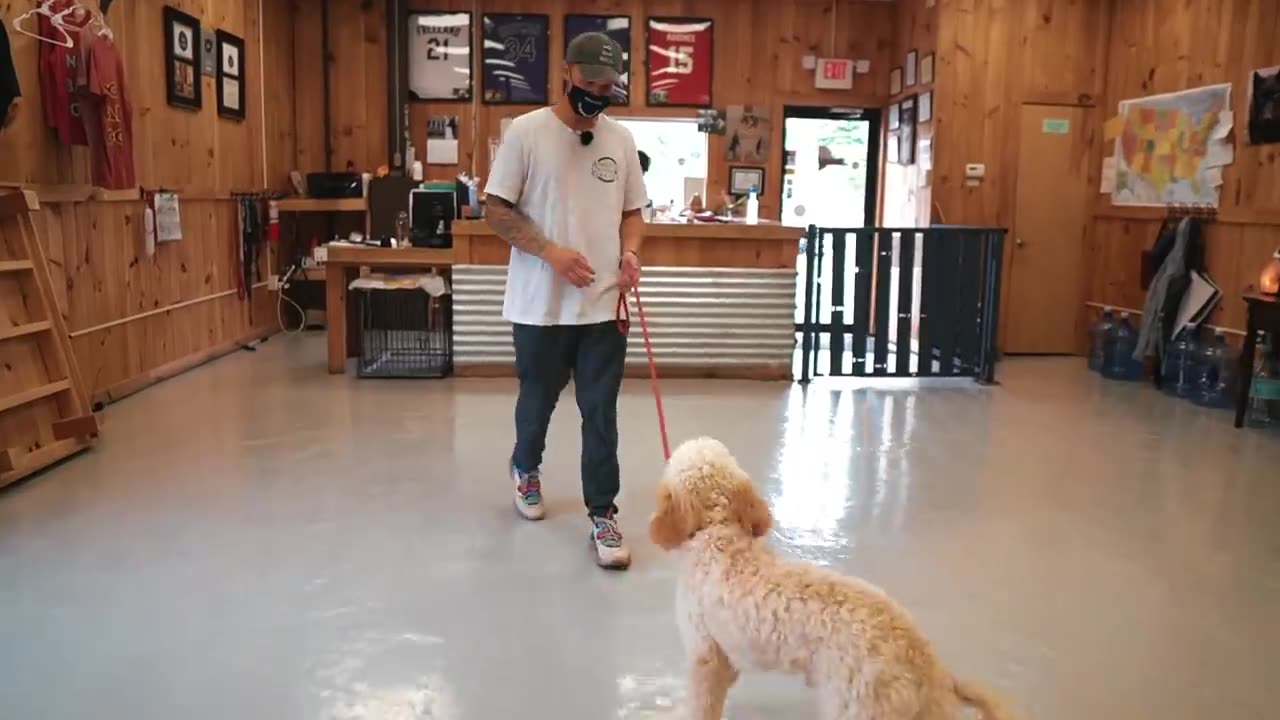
<point>45,414</point>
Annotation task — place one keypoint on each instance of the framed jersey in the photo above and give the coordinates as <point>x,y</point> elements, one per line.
<point>678,61</point>
<point>515,58</point>
<point>440,56</point>
<point>617,27</point>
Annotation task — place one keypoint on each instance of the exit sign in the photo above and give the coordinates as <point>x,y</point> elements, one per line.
<point>833,74</point>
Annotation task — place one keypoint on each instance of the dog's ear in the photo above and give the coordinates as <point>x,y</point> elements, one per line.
<point>750,510</point>
<point>675,520</point>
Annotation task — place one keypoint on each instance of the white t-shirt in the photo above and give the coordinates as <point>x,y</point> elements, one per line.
<point>576,195</point>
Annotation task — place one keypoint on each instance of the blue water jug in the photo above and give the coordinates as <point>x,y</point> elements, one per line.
<point>1119,364</point>
<point>1098,339</point>
<point>1216,380</point>
<point>1181,368</point>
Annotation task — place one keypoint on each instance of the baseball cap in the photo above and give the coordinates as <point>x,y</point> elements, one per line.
<point>598,56</point>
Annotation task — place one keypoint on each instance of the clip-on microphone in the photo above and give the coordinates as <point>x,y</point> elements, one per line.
<point>585,137</point>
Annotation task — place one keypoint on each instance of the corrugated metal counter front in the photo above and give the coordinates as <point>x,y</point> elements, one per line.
<point>720,302</point>
<point>701,319</point>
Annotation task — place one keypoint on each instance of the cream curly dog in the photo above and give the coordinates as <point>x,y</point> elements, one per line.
<point>741,607</point>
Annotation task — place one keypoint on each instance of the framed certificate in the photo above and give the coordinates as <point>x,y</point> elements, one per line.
<point>230,76</point>
<point>515,58</point>
<point>678,61</point>
<point>617,27</point>
<point>440,56</point>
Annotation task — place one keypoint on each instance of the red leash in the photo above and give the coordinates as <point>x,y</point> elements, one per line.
<point>624,327</point>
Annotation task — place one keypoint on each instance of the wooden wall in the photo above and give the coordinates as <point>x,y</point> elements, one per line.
<point>993,56</point>
<point>113,296</point>
<point>905,203</point>
<point>1158,46</point>
<point>758,47</point>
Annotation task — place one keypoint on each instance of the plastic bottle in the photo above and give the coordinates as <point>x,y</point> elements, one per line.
<point>1264,390</point>
<point>1098,339</point>
<point>1123,341</point>
<point>753,207</point>
<point>1217,377</point>
<point>402,230</point>
<point>1181,367</point>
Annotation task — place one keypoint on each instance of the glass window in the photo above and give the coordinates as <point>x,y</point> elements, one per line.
<point>677,159</point>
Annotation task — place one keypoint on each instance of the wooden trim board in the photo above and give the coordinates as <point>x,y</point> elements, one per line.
<point>27,463</point>
<point>124,389</point>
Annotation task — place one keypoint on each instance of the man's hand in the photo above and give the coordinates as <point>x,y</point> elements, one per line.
<point>628,271</point>
<point>570,265</point>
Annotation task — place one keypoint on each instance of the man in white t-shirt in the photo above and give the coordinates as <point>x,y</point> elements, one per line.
<point>566,192</point>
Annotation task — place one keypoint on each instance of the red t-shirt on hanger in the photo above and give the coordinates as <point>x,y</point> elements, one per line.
<point>107,113</point>
<point>59,67</point>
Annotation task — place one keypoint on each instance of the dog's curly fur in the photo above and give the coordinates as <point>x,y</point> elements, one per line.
<point>741,607</point>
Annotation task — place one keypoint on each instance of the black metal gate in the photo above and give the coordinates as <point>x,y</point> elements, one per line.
<point>900,302</point>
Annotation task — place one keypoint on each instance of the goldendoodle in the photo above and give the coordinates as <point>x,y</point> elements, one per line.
<point>742,607</point>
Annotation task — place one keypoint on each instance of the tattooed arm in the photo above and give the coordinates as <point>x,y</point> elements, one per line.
<point>515,227</point>
<point>522,234</point>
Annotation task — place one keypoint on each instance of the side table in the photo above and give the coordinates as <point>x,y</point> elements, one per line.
<point>1263,314</point>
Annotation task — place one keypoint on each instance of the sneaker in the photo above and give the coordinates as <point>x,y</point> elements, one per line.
<point>529,494</point>
<point>607,539</point>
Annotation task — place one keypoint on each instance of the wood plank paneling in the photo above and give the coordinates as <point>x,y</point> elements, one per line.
<point>96,258</point>
<point>758,48</point>
<point>993,56</point>
<point>1159,47</point>
<point>904,202</point>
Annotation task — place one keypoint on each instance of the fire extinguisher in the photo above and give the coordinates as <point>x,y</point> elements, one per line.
<point>273,222</point>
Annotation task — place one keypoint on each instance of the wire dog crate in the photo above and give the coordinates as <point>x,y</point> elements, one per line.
<point>405,332</point>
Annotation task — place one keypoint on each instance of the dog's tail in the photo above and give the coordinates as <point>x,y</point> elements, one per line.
<point>984,700</point>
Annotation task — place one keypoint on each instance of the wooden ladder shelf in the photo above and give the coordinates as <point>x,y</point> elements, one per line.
<point>45,415</point>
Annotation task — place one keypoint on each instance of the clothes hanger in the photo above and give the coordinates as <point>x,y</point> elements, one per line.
<point>55,21</point>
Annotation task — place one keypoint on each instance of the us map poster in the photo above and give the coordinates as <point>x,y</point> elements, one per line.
<point>678,61</point>
<point>515,58</point>
<point>1170,149</point>
<point>617,27</point>
<point>440,56</point>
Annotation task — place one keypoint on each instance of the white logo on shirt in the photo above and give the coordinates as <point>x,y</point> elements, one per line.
<point>605,169</point>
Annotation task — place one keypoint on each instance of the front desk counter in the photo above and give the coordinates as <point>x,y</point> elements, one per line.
<point>720,300</point>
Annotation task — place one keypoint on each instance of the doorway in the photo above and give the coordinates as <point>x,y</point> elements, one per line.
<point>828,179</point>
<point>828,158</point>
<point>1051,215</point>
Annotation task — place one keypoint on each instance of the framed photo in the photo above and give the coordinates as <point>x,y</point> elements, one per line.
<point>678,61</point>
<point>208,52</point>
<point>1264,106</point>
<point>891,148</point>
<point>895,81</point>
<point>926,69</point>
<point>617,27</point>
<point>231,80</point>
<point>742,179</point>
<point>515,58</point>
<point>712,121</point>
<point>439,49</point>
<point>907,132</point>
<point>893,116</point>
<point>749,130</point>
<point>924,107</point>
<point>909,74</point>
<point>182,59</point>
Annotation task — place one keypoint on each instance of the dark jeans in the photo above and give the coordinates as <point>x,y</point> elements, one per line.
<point>594,355</point>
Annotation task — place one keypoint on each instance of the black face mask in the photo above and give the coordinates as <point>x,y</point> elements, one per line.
<point>586,104</point>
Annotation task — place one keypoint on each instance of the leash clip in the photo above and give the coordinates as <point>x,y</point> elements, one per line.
<point>622,314</point>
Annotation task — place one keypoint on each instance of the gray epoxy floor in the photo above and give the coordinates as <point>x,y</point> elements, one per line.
<point>257,539</point>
